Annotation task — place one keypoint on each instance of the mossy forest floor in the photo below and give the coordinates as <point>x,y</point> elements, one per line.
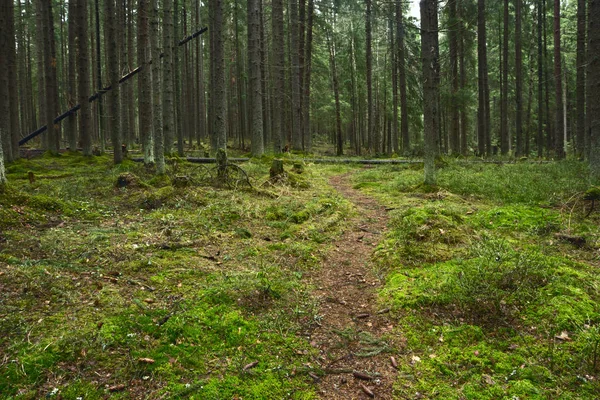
<point>335,282</point>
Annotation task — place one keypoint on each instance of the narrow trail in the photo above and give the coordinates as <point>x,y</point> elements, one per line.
<point>352,325</point>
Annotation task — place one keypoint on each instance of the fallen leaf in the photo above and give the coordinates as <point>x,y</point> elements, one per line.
<point>250,366</point>
<point>146,360</point>
<point>488,379</point>
<point>117,388</point>
<point>564,335</point>
<point>363,376</point>
<point>416,359</point>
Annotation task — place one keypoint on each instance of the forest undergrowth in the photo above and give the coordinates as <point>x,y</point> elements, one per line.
<point>174,288</point>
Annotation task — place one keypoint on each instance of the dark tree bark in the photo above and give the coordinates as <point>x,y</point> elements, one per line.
<point>295,75</point>
<point>145,81</point>
<point>504,109</point>
<point>83,77</point>
<point>430,65</point>
<point>167,82</point>
<point>13,91</point>
<point>483,133</point>
<point>593,76</point>
<point>307,75</point>
<point>464,112</point>
<point>217,90</point>
<point>559,137</point>
<point>100,103</point>
<point>71,123</point>
<point>540,74</point>
<point>112,62</point>
<point>580,88</point>
<point>454,105</point>
<point>5,136</point>
<point>50,78</point>
<point>518,81</point>
<point>336,91</point>
<point>402,79</point>
<point>157,123</point>
<point>394,56</point>
<point>371,140</point>
<point>256,112</point>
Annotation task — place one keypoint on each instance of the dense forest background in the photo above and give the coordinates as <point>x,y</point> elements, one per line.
<point>510,78</point>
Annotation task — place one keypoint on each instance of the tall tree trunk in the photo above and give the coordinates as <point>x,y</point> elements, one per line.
<point>540,75</point>
<point>394,56</point>
<point>593,76</point>
<point>464,112</point>
<point>581,25</point>
<point>13,91</point>
<point>454,101</point>
<point>256,113</point>
<point>483,109</point>
<point>301,55</point>
<point>429,57</point>
<point>217,90</point>
<point>83,77</point>
<point>402,79</point>
<point>371,140</point>
<point>178,106</point>
<point>240,83</point>
<point>266,110</point>
<point>100,101</point>
<point>336,92</point>
<point>112,62</point>
<point>295,72</point>
<point>158,138</point>
<point>518,81</point>
<point>145,82</point>
<point>50,78</point>
<point>167,81</point>
<point>278,75</point>
<point>307,75</point>
<point>558,137</point>
<point>122,38</point>
<point>5,135</point>
<point>71,123</point>
<point>133,133</point>
<point>504,74</point>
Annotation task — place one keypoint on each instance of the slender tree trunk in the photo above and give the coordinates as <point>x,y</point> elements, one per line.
<point>178,106</point>
<point>145,82</point>
<point>464,112</point>
<point>540,76</point>
<point>83,77</point>
<point>558,137</point>
<point>504,141</point>
<point>336,91</point>
<point>112,62</point>
<point>13,91</point>
<point>394,55</point>
<point>482,113</point>
<point>301,55</point>
<point>132,134</point>
<point>581,45</point>
<point>518,81</point>
<point>593,76</point>
<point>454,101</point>
<point>71,123</point>
<point>217,94</point>
<point>307,75</point>
<point>256,113</point>
<point>158,138</point>
<point>266,111</point>
<point>5,136</point>
<point>100,101</point>
<point>402,79</point>
<point>429,57</point>
<point>371,140</point>
<point>167,82</point>
<point>295,72</point>
<point>278,75</point>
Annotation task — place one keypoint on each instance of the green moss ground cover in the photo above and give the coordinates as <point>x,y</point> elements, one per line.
<point>155,290</point>
<point>490,299</point>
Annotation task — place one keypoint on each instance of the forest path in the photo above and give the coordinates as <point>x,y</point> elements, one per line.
<point>352,325</point>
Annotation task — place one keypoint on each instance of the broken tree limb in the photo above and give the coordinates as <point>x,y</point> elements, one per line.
<point>96,95</point>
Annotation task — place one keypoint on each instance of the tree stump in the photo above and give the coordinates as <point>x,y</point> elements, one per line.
<point>221,159</point>
<point>276,168</point>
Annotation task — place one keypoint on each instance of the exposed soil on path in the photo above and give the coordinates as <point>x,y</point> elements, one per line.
<point>352,325</point>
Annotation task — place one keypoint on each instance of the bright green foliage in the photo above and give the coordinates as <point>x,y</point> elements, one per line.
<point>201,280</point>
<point>489,303</point>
